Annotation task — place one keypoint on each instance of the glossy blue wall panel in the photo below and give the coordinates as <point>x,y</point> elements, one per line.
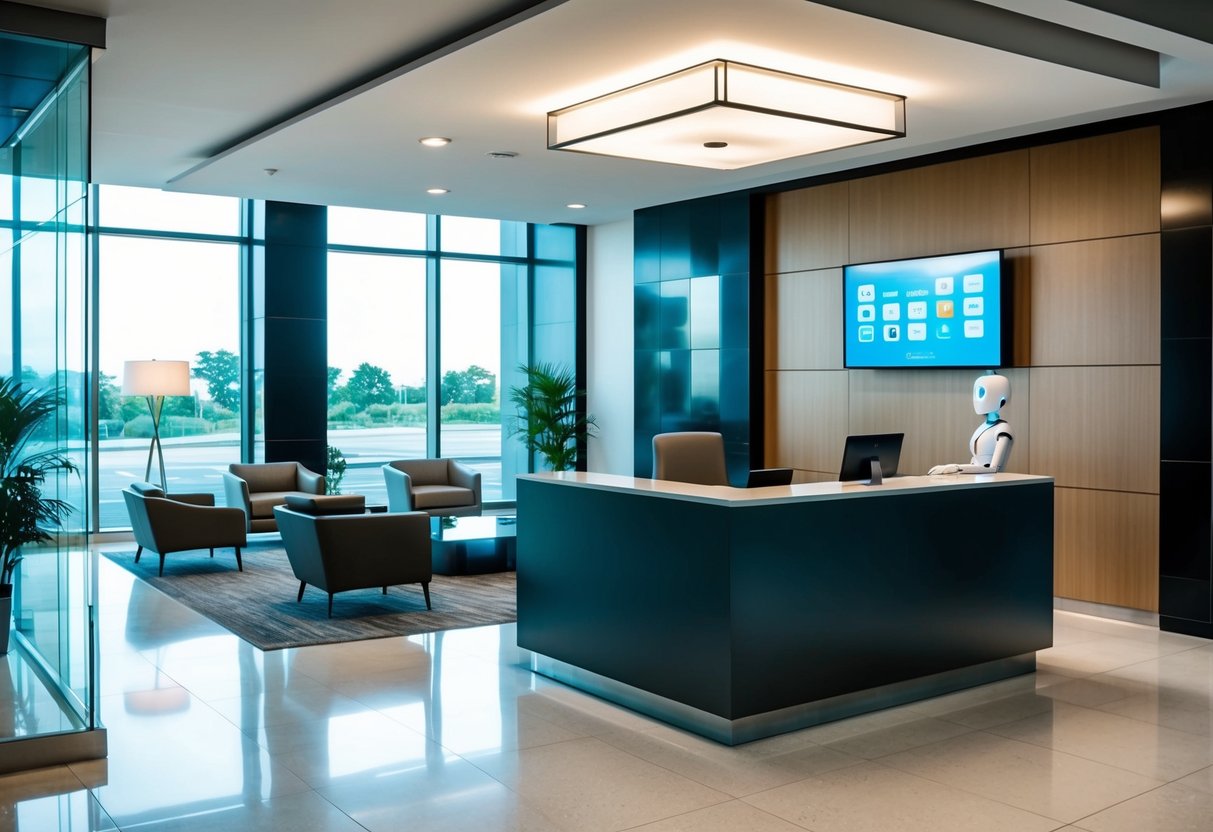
<point>696,307</point>
<point>1186,286</point>
<point>1187,400</point>
<point>1185,547</point>
<point>646,312</point>
<point>674,323</point>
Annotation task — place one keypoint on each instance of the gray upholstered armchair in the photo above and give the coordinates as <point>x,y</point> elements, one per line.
<point>180,522</point>
<point>690,456</point>
<point>441,487</point>
<point>258,487</point>
<point>334,545</point>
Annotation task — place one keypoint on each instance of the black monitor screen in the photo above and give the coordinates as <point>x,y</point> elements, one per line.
<point>859,451</point>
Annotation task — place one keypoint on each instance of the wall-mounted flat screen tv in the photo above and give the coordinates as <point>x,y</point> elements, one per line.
<point>943,311</point>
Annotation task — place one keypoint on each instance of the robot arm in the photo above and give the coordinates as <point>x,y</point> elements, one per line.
<point>1003,440</point>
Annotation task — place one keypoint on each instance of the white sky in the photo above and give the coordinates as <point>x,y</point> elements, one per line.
<point>170,299</point>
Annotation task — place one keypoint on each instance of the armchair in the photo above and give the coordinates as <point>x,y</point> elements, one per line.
<point>179,522</point>
<point>690,456</point>
<point>336,550</point>
<point>441,487</point>
<point>257,488</point>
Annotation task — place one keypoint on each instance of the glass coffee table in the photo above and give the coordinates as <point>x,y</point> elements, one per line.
<point>472,545</point>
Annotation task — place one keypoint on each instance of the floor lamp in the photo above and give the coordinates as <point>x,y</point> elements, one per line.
<point>155,380</point>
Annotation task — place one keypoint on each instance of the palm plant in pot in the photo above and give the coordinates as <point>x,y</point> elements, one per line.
<point>548,421</point>
<point>25,513</point>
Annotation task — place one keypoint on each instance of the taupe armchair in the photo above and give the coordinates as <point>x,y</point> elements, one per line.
<point>258,487</point>
<point>690,456</point>
<point>180,522</point>
<point>335,550</point>
<point>441,487</point>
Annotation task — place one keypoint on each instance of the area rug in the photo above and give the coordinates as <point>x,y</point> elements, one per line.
<point>259,604</point>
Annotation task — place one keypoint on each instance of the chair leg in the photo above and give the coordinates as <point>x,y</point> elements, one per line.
<point>330,605</point>
<point>162,564</point>
<point>385,590</point>
<point>302,586</point>
<point>138,553</point>
<point>239,562</point>
<point>425,587</point>
<point>212,551</point>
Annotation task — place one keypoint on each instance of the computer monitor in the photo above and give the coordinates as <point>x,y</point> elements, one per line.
<point>870,457</point>
<point>766,477</point>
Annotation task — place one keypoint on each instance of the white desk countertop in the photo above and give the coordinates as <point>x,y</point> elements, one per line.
<point>805,492</point>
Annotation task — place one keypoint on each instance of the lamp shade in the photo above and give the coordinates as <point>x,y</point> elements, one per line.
<point>156,378</point>
<point>726,115</point>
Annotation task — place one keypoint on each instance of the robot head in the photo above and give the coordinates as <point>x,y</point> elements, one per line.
<point>991,393</point>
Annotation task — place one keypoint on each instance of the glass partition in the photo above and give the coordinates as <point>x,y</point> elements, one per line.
<point>48,678</point>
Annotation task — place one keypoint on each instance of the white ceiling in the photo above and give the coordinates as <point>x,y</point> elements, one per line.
<point>183,79</point>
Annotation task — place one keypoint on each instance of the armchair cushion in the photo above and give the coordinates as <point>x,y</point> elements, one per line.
<point>427,497</point>
<point>322,506</point>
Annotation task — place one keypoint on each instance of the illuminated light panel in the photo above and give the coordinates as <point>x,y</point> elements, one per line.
<point>760,115</point>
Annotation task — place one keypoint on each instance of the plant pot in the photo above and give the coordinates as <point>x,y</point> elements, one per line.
<point>6,616</point>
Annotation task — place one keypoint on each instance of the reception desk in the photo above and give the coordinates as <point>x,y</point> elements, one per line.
<point>740,613</point>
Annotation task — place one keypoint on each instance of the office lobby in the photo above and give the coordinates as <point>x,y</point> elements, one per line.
<point>250,181</point>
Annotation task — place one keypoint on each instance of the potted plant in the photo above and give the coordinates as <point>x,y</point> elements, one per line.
<point>548,421</point>
<point>335,470</point>
<point>24,512</point>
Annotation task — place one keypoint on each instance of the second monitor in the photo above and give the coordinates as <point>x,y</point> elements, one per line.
<point>870,457</point>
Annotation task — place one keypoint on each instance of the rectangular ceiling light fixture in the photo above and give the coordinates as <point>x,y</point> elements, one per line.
<point>727,115</point>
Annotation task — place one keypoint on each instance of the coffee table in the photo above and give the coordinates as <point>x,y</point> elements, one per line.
<point>472,545</point>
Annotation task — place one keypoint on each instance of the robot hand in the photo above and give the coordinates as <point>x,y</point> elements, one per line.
<point>948,468</point>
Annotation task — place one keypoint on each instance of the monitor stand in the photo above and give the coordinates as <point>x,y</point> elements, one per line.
<point>877,477</point>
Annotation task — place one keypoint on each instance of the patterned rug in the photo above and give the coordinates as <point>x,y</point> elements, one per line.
<point>259,604</point>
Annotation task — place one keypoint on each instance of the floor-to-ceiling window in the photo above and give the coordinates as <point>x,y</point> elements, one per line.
<point>168,287</point>
<point>419,308</point>
<point>428,318</point>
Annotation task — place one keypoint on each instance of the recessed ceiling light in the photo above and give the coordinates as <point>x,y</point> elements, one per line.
<point>575,205</point>
<point>437,191</point>
<point>435,141</point>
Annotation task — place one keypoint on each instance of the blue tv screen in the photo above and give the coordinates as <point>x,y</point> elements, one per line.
<point>928,312</point>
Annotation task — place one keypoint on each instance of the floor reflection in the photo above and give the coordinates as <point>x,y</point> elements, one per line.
<point>448,731</point>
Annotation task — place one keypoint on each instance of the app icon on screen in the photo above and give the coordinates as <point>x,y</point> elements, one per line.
<point>943,285</point>
<point>975,329</point>
<point>916,310</point>
<point>891,311</point>
<point>973,282</point>
<point>944,309</point>
<point>867,334</point>
<point>943,331</point>
<point>867,292</point>
<point>916,332</point>
<point>974,306</point>
<point>892,332</point>
<point>866,312</point>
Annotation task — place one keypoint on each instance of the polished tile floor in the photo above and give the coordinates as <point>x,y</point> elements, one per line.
<point>1114,733</point>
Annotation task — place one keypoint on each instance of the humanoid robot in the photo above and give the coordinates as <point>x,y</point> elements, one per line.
<point>991,442</point>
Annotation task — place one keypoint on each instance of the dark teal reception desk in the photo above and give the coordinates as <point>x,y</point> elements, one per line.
<point>739,613</point>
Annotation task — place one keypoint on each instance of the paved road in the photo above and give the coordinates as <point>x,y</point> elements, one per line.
<point>194,465</point>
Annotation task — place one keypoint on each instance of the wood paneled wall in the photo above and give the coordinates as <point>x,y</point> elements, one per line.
<point>1080,223</point>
